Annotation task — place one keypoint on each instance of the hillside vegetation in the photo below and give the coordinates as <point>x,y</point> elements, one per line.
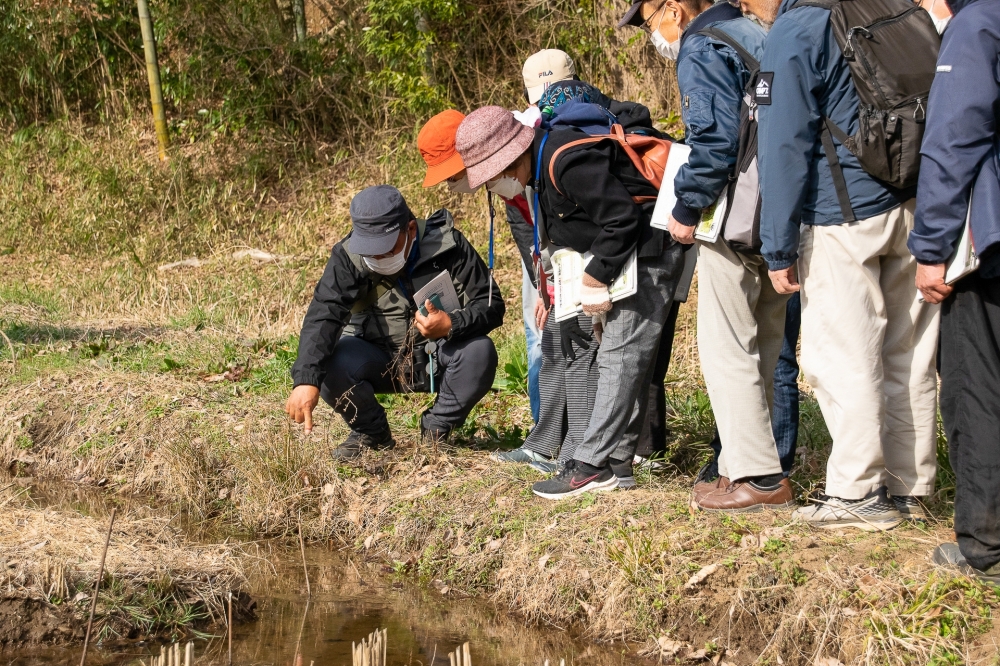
<point>150,313</point>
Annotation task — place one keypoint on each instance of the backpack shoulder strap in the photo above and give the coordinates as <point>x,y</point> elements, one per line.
<point>715,33</point>
<point>836,172</point>
<point>563,148</point>
<point>822,4</point>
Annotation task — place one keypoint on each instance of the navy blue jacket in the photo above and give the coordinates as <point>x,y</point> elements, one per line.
<point>711,78</point>
<point>811,80</point>
<point>961,141</point>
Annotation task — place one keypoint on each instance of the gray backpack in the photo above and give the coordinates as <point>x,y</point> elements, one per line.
<point>741,220</point>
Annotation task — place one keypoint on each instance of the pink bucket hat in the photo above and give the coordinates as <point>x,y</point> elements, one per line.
<point>489,140</point>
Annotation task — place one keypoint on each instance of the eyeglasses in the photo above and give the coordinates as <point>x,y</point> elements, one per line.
<point>645,24</point>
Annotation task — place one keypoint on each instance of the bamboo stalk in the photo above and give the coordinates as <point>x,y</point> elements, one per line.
<point>97,588</point>
<point>299,9</point>
<point>153,74</point>
<point>189,653</point>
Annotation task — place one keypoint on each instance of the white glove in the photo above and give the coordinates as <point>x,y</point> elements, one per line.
<point>594,296</point>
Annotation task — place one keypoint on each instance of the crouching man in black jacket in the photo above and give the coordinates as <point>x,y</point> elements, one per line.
<point>364,335</point>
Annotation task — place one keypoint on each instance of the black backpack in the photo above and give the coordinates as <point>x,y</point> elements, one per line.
<point>741,220</point>
<point>891,47</point>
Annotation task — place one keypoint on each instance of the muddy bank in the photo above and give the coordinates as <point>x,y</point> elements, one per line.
<point>623,566</point>
<point>156,581</point>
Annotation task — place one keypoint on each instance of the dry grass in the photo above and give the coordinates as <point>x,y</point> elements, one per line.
<point>156,581</point>
<point>111,384</point>
<point>615,566</point>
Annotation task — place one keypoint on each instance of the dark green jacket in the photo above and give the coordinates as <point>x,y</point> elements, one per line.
<point>352,300</point>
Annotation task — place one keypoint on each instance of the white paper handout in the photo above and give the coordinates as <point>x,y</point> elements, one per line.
<point>665,199</point>
<point>567,274</point>
<point>965,260</point>
<point>441,285</point>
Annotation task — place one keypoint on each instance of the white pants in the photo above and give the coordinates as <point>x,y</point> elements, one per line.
<point>868,350</point>
<point>741,327</point>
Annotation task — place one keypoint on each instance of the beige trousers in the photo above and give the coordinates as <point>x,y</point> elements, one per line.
<point>741,325</point>
<point>868,350</point>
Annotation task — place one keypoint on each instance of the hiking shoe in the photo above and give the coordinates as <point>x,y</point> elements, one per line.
<point>651,463</point>
<point>948,555</point>
<point>545,466</point>
<point>432,437</point>
<point>623,470</point>
<point>356,442</point>
<point>875,512</point>
<point>912,508</point>
<point>576,478</point>
<point>521,455</point>
<point>746,497</point>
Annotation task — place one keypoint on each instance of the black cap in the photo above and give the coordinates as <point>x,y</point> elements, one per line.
<point>377,213</point>
<point>633,16</point>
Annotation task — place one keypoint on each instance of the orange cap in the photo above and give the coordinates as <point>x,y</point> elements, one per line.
<point>436,142</point>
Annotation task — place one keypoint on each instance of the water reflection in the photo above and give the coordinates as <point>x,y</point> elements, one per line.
<point>350,599</point>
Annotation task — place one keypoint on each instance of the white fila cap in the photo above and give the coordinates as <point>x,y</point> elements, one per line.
<point>543,68</point>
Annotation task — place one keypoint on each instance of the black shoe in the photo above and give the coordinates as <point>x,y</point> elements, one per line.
<point>432,437</point>
<point>352,447</point>
<point>623,470</point>
<point>708,473</point>
<point>576,478</point>
<point>948,555</point>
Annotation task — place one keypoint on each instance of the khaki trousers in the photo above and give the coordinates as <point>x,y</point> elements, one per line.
<point>868,350</point>
<point>741,326</point>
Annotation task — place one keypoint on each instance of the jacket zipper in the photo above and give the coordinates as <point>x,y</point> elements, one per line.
<point>868,32</point>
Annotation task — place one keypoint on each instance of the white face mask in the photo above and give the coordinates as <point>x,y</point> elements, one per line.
<point>669,50</point>
<point>460,186</point>
<point>389,265</point>
<point>506,187</point>
<point>939,23</point>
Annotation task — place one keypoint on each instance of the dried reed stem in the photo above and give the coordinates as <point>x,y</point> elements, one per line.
<point>97,589</point>
<point>229,627</point>
<point>302,547</point>
<point>461,656</point>
<point>371,651</point>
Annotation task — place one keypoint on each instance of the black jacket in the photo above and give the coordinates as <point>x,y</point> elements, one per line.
<point>352,300</point>
<point>595,212</point>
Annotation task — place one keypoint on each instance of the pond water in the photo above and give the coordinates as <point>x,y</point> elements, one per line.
<point>350,599</point>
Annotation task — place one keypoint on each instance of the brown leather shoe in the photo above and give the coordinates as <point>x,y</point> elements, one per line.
<point>702,488</point>
<point>744,497</point>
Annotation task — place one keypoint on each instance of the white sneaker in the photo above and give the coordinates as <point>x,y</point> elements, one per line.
<point>648,463</point>
<point>876,512</point>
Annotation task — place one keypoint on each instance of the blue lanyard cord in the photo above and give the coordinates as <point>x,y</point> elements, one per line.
<point>489,200</point>
<point>538,186</point>
<point>490,257</point>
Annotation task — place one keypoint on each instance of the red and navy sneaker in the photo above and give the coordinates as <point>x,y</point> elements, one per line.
<point>576,478</point>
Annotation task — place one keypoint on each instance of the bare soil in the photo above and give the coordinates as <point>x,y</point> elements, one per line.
<point>31,622</point>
